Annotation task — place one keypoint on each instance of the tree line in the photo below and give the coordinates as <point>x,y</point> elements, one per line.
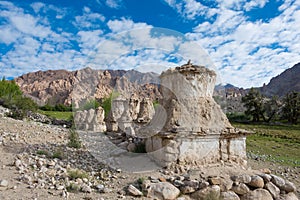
<point>261,108</point>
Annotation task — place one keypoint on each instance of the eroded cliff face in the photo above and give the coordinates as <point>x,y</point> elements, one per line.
<point>65,87</point>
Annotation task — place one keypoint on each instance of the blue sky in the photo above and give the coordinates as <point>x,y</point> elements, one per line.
<point>246,42</point>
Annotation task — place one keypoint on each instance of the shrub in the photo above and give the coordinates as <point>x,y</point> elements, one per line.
<point>74,174</point>
<point>238,117</point>
<point>74,140</point>
<point>73,188</point>
<point>57,107</point>
<point>58,154</point>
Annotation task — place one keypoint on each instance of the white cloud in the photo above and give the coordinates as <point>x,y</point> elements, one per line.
<point>8,34</point>
<point>89,20</point>
<point>117,26</point>
<point>248,53</point>
<point>189,8</point>
<point>35,46</point>
<point>89,40</point>
<point>37,6</point>
<point>114,3</point>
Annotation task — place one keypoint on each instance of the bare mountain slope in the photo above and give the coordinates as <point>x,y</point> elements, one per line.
<point>61,86</point>
<point>287,81</point>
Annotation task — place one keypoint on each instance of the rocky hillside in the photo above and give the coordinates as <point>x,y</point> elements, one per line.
<point>61,86</point>
<point>287,81</point>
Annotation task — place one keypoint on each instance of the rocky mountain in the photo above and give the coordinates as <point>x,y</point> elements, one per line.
<point>65,87</point>
<point>287,81</point>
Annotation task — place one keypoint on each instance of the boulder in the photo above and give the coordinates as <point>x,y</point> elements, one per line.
<point>267,178</point>
<point>211,192</point>
<point>258,194</point>
<point>244,178</point>
<point>273,189</point>
<point>256,182</point>
<point>162,190</point>
<point>278,181</point>
<point>229,195</point>
<point>288,187</point>
<point>290,196</point>
<point>241,189</point>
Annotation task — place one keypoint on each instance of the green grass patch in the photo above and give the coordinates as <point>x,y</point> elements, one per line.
<point>42,152</point>
<point>74,174</point>
<point>57,114</point>
<point>58,154</point>
<point>275,143</point>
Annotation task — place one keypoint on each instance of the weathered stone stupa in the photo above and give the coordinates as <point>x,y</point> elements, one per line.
<point>196,131</point>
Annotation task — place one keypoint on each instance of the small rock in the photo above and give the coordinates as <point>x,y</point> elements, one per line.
<point>266,171</point>
<point>189,187</point>
<point>85,180</point>
<point>273,189</point>
<point>214,180</point>
<point>258,194</point>
<point>134,191</point>
<point>178,183</point>
<point>131,147</point>
<point>107,190</point>
<point>18,163</point>
<point>85,188</point>
<point>229,195</point>
<point>100,187</point>
<point>162,179</point>
<point>3,183</point>
<point>256,181</point>
<point>60,187</point>
<point>203,185</point>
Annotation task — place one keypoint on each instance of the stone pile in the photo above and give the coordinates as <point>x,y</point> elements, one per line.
<point>90,120</point>
<point>129,113</point>
<point>237,187</point>
<point>37,117</point>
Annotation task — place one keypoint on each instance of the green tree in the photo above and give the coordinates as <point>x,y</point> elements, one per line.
<point>270,108</point>
<point>9,90</point>
<point>291,107</point>
<point>93,103</point>
<point>11,97</point>
<point>253,101</point>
